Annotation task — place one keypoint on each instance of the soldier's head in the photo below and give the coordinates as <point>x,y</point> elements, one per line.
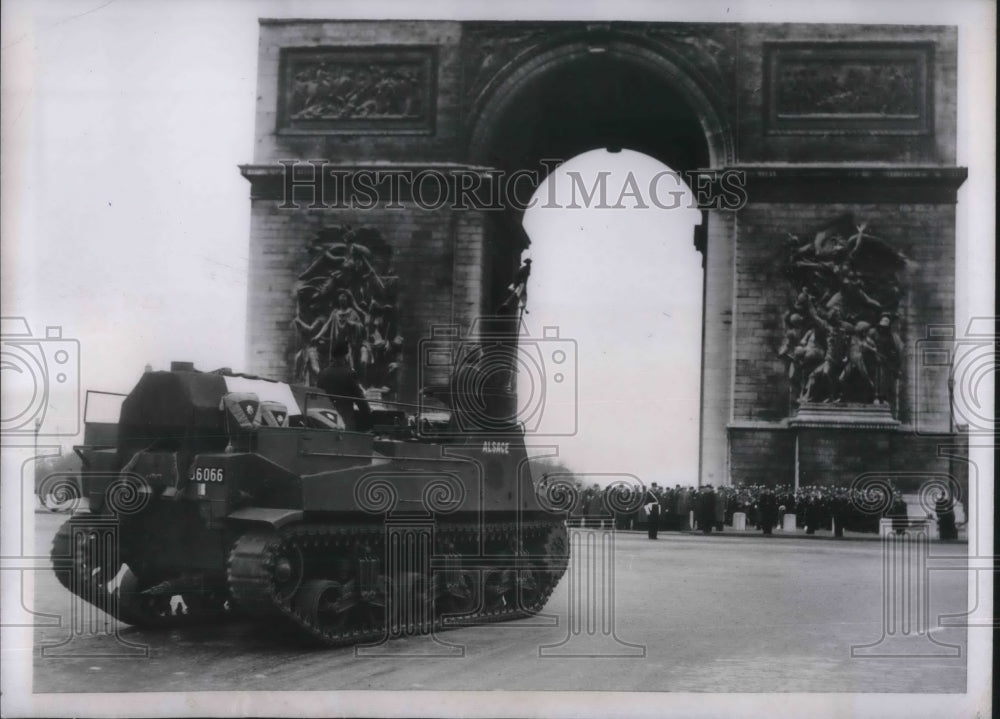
<point>340,351</point>
<point>343,299</point>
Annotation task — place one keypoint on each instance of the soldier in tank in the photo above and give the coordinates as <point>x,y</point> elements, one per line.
<point>394,368</point>
<point>340,381</point>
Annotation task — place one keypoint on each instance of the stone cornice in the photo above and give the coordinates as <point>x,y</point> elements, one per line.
<point>851,183</point>
<point>843,416</point>
<point>763,183</point>
<point>385,179</point>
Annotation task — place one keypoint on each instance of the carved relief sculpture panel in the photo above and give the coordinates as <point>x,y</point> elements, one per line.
<point>356,91</point>
<point>842,326</point>
<point>848,87</point>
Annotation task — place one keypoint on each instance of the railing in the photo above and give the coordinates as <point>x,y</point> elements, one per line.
<point>318,393</point>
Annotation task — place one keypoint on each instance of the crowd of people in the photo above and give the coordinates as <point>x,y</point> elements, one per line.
<point>709,508</point>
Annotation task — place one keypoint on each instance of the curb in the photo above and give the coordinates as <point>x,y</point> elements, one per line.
<point>854,537</point>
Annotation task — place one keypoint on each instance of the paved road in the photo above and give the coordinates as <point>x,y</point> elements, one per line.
<point>690,613</point>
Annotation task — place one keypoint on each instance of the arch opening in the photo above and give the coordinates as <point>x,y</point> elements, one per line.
<point>582,101</point>
<point>622,282</point>
<point>571,100</point>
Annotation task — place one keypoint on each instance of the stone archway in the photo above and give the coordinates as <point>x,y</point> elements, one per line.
<point>817,121</point>
<point>602,88</point>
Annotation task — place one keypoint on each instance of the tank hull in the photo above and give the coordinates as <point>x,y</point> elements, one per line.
<point>339,537</point>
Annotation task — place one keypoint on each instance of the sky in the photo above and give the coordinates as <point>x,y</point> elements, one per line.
<point>125,220</point>
<point>622,281</point>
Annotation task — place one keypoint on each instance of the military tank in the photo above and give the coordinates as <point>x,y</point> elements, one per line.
<point>218,494</point>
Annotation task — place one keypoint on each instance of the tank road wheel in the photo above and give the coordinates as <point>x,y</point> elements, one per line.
<point>529,593</point>
<point>374,589</point>
<point>412,611</point>
<point>499,591</point>
<point>460,594</point>
<point>287,571</point>
<point>264,573</point>
<point>326,605</point>
<point>556,548</point>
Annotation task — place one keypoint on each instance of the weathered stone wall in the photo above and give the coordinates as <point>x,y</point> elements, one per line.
<point>764,136</point>
<point>762,455</point>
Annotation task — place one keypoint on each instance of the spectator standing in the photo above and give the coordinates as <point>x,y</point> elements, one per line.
<point>719,517</point>
<point>767,510</point>
<point>595,506</point>
<point>897,513</point>
<point>652,505</point>
<point>706,509</point>
<point>945,510</point>
<point>840,507</point>
<point>683,509</point>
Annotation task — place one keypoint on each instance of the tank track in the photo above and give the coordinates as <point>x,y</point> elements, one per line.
<point>338,591</point>
<point>331,585</point>
<point>83,565</point>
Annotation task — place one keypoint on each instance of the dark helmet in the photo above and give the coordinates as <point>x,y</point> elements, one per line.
<point>340,349</point>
